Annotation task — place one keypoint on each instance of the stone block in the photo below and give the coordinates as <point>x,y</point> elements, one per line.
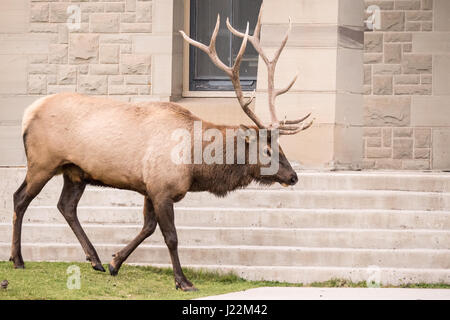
<point>104,22</point>
<point>92,84</point>
<point>441,150</point>
<point>367,74</point>
<point>105,69</point>
<point>373,142</point>
<point>386,69</point>
<point>403,132</point>
<point>388,164</point>
<point>417,63</point>
<point>419,16</point>
<point>407,5</point>
<point>58,12</point>
<point>392,21</point>
<point>423,153</point>
<point>57,53</point>
<point>373,42</point>
<point>387,137</point>
<point>427,5</point>
<point>109,53</point>
<point>406,79</point>
<point>407,47</point>
<point>135,64</point>
<point>430,111</point>
<point>39,12</point>
<point>144,11</point>
<point>392,53</point>
<point>427,26</point>
<point>67,74</point>
<point>377,153</point>
<point>387,111</point>
<point>37,84</point>
<point>441,74</point>
<point>416,165</point>
<point>382,85</point>
<point>424,89</point>
<point>382,4</point>
<point>397,37</point>
<point>441,16</point>
<point>114,7</point>
<point>403,149</point>
<point>373,58</point>
<point>372,132</point>
<point>83,48</point>
<point>413,26</point>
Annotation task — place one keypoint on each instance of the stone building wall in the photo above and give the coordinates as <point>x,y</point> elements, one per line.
<point>95,58</point>
<point>402,82</point>
<point>117,49</point>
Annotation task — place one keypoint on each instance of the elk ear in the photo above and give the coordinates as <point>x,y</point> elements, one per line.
<point>246,133</point>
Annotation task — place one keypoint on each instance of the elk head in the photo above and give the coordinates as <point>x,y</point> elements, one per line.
<point>285,174</point>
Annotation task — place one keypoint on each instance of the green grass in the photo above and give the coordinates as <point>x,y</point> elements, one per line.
<point>48,280</point>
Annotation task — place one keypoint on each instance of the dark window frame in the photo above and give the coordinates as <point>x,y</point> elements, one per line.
<point>212,84</point>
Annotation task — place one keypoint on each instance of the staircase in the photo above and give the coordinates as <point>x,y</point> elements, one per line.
<point>387,226</point>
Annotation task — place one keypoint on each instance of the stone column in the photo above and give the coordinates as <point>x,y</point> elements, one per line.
<point>325,47</point>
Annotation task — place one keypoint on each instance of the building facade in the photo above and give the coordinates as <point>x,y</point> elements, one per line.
<point>379,90</point>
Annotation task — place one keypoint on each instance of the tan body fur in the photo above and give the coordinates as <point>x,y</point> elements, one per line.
<point>127,146</point>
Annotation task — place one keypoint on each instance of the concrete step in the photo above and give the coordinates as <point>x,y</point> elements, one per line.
<point>220,236</point>
<point>307,275</point>
<point>252,217</point>
<point>308,180</point>
<point>247,255</point>
<point>385,200</point>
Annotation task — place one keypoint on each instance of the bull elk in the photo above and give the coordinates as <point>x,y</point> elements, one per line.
<point>96,141</point>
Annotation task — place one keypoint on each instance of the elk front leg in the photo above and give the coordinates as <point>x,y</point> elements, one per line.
<point>67,205</point>
<point>165,218</point>
<point>147,230</point>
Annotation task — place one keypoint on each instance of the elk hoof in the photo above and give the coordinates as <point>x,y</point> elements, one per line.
<point>112,271</point>
<point>99,267</point>
<point>186,287</point>
<point>18,263</point>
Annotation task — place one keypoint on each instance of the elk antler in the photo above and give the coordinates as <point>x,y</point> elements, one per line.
<point>286,127</point>
<point>232,72</point>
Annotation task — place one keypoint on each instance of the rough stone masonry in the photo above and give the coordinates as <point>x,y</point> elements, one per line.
<point>96,58</point>
<point>393,75</point>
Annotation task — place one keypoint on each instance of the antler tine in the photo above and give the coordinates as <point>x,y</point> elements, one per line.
<point>287,127</point>
<point>283,43</point>
<point>299,129</point>
<point>295,121</point>
<point>211,49</point>
<point>232,72</point>
<point>287,88</point>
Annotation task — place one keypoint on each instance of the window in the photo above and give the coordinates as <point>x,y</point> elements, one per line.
<point>203,74</point>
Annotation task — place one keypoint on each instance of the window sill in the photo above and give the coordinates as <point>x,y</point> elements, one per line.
<point>213,94</point>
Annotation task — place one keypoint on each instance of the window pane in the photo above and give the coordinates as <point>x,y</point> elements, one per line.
<point>206,19</point>
<point>204,75</point>
<point>243,11</point>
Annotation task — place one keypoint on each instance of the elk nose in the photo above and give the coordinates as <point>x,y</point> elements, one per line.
<point>294,179</point>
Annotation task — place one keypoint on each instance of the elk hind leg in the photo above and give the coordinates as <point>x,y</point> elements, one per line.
<point>30,188</point>
<point>70,196</point>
